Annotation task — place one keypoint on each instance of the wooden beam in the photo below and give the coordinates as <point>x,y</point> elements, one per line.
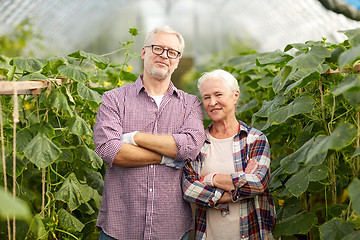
<point>24,87</point>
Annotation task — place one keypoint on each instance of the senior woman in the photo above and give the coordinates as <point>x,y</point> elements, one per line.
<point>228,181</point>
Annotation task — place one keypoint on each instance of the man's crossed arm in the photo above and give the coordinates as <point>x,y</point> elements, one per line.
<point>142,149</point>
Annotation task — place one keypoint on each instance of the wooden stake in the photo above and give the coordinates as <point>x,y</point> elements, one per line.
<point>4,165</point>
<point>15,121</point>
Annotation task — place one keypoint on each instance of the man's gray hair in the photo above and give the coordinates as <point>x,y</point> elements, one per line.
<point>165,29</point>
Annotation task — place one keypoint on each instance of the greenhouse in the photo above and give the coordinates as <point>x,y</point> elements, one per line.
<point>297,67</point>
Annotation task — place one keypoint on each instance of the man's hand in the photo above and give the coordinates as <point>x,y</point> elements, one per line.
<point>129,137</point>
<point>171,163</point>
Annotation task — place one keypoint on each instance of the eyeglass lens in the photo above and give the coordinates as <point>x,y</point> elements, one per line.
<point>158,50</point>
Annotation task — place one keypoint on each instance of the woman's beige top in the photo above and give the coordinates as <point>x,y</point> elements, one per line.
<point>220,160</point>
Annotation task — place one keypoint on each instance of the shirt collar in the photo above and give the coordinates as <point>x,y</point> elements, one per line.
<point>140,87</point>
<point>243,128</point>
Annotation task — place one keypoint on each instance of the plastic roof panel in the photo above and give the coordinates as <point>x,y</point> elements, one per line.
<point>208,26</point>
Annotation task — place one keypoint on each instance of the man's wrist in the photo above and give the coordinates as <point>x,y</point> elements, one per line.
<point>135,138</point>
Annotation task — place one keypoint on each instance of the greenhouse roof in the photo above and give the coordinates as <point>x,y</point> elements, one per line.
<point>208,26</point>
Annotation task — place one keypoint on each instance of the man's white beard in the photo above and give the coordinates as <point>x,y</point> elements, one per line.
<point>158,73</point>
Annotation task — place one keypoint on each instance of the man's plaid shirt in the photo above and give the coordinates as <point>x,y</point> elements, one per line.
<point>257,209</point>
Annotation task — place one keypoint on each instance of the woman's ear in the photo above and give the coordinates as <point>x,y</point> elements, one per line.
<point>236,94</point>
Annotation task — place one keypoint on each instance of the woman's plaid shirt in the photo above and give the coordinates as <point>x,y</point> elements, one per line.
<point>257,209</point>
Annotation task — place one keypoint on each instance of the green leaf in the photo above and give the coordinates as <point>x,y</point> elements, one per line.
<point>41,151</point>
<point>299,182</point>
<point>353,98</point>
<point>32,76</point>
<point>88,192</point>
<point>100,61</point>
<point>88,94</point>
<point>44,128</point>
<point>298,46</point>
<point>290,163</point>
<point>282,80</point>
<point>268,107</point>
<point>352,236</point>
<point>59,101</point>
<point>265,82</point>
<point>23,137</point>
<point>4,69</point>
<point>55,63</point>
<point>335,53</point>
<point>29,64</point>
<point>302,104</point>
<point>68,222</point>
<point>37,229</point>
<point>338,139</point>
<point>244,62</point>
<point>310,60</point>
<point>67,93</point>
<point>87,155</point>
<point>127,76</point>
<point>303,76</point>
<point>298,224</point>
<point>86,208</point>
<point>349,57</point>
<point>351,82</point>
<point>271,58</point>
<point>356,153</point>
<point>95,180</point>
<point>354,193</point>
<point>253,103</point>
<point>20,165</point>
<point>336,210</point>
<point>74,193</point>
<point>133,31</point>
<point>70,192</point>
<point>290,208</point>
<point>335,229</point>
<point>78,126</point>
<point>353,36</point>
<point>13,206</point>
<point>66,155</point>
<point>73,72</point>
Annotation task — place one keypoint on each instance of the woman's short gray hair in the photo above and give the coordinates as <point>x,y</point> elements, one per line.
<point>227,78</point>
<point>165,29</point>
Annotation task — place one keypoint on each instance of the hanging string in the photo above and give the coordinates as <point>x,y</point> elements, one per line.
<point>4,164</point>
<point>15,121</point>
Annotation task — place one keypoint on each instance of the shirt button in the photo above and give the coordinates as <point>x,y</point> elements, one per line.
<point>150,190</point>
<point>151,166</point>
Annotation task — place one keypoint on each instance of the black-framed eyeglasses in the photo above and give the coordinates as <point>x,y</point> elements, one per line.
<point>158,50</point>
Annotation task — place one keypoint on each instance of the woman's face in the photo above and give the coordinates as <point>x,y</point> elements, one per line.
<point>219,101</point>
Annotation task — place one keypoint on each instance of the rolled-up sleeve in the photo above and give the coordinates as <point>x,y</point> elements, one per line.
<point>108,130</point>
<point>249,185</point>
<point>196,191</point>
<point>191,136</point>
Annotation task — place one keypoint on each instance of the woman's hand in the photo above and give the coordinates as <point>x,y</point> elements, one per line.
<point>208,179</point>
<point>225,198</point>
<point>221,181</point>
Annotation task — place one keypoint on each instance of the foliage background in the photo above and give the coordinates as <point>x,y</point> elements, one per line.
<point>305,99</point>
